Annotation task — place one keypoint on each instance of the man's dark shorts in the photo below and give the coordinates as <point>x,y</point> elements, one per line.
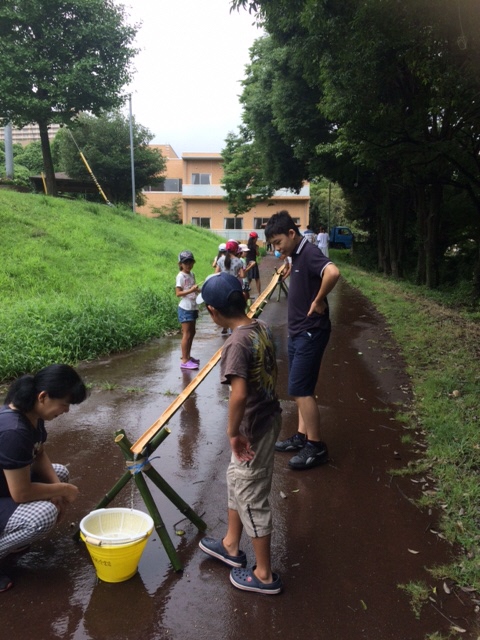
<point>305,351</point>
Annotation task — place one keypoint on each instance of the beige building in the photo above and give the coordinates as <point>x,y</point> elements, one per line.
<point>195,180</point>
<point>30,133</point>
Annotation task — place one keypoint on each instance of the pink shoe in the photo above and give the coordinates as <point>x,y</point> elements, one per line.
<point>188,365</point>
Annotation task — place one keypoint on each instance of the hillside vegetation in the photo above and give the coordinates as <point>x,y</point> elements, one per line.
<point>80,280</point>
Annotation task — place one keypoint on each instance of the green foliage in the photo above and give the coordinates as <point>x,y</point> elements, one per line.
<point>382,99</point>
<point>418,593</point>
<point>242,178</point>
<point>327,205</point>
<point>81,280</point>
<point>280,129</point>
<point>105,143</point>
<point>58,59</point>
<point>171,212</point>
<point>29,156</point>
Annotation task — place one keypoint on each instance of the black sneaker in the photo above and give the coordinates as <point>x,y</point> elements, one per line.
<point>310,456</point>
<point>294,443</point>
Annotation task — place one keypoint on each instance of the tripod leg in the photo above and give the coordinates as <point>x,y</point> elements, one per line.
<point>157,519</point>
<point>181,505</point>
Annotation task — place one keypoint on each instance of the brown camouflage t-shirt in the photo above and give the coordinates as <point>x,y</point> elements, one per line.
<point>249,353</point>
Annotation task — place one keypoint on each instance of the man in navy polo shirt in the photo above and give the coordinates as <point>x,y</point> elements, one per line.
<point>312,277</point>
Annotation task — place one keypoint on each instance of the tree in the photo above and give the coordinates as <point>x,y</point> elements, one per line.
<point>243,178</point>
<point>398,82</point>
<point>59,58</point>
<point>275,145</point>
<point>29,156</point>
<point>327,205</point>
<point>170,212</point>
<point>105,143</point>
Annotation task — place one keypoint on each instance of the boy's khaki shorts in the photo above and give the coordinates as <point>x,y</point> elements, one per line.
<point>249,484</point>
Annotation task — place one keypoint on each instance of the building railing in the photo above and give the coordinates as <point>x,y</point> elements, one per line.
<point>203,190</point>
<point>214,190</point>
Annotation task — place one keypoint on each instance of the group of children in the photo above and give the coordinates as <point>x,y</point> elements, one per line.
<point>239,260</point>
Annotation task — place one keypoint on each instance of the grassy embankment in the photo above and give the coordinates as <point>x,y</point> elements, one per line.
<point>80,280</point>
<point>442,349</point>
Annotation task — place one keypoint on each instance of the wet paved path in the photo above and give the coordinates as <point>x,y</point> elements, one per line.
<point>343,533</point>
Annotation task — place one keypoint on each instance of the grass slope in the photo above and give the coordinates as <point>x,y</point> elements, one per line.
<point>79,280</point>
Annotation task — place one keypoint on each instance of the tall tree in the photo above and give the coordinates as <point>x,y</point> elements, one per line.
<point>105,142</point>
<point>59,58</point>
<point>398,81</point>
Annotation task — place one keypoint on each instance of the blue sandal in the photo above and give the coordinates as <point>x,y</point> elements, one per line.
<point>216,549</point>
<point>246,580</point>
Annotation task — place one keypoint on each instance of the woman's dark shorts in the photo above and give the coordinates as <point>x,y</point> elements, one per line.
<point>305,351</point>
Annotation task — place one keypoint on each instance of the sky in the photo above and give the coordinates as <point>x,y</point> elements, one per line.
<point>188,72</point>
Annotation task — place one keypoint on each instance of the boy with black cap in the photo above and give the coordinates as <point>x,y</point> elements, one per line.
<point>249,366</point>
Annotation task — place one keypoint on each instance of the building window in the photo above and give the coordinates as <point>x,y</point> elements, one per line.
<point>173,185</point>
<point>201,178</point>
<point>260,223</point>
<point>233,223</point>
<point>201,222</point>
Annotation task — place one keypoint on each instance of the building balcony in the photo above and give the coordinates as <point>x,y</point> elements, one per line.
<point>203,191</point>
<point>216,191</point>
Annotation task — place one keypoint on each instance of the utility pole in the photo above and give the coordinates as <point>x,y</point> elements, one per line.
<point>8,150</point>
<point>132,159</point>
<point>329,203</point>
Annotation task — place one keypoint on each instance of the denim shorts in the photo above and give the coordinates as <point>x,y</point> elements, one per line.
<point>187,315</point>
<point>305,352</point>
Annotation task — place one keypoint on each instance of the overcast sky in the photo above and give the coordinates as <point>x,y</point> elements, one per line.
<point>188,73</point>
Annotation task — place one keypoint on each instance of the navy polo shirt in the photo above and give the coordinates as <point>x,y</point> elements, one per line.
<point>308,263</point>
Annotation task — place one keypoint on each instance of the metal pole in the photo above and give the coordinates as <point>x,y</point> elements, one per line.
<point>8,151</point>
<point>329,203</point>
<point>132,160</point>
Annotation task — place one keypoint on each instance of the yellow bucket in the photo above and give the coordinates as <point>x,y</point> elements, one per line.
<point>115,539</point>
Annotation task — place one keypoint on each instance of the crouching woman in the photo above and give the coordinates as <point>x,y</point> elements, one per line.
<point>33,492</point>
